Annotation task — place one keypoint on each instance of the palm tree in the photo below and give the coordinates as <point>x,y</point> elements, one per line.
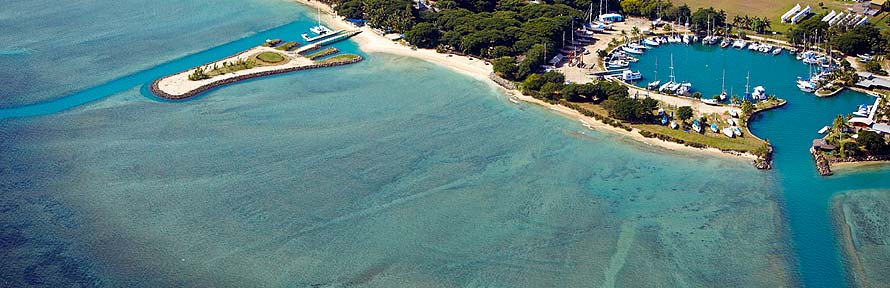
<point>839,125</point>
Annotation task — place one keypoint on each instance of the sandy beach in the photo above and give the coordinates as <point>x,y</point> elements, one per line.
<point>371,42</point>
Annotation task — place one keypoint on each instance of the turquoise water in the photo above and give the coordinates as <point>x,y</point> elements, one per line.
<point>61,47</point>
<point>442,182</point>
<point>790,129</point>
<point>396,173</point>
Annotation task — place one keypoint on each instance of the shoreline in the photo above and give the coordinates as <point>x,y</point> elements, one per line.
<point>859,164</point>
<point>371,42</point>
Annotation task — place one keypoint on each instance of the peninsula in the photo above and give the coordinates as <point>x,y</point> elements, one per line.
<point>273,57</point>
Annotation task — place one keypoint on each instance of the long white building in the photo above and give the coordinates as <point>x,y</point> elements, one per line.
<point>829,16</point>
<point>790,13</point>
<point>800,15</point>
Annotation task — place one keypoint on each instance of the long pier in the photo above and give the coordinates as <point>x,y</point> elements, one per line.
<point>315,46</point>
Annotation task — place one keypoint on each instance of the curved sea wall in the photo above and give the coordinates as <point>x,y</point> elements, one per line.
<point>160,93</point>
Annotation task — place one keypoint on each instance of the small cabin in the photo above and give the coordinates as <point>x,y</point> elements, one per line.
<point>821,144</point>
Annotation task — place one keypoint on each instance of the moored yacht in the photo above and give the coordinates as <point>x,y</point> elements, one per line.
<point>654,84</point>
<point>629,76</point>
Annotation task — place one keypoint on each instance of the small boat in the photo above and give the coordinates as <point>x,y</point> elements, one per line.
<point>739,44</point>
<point>684,88</point>
<point>628,76</point>
<point>637,46</point>
<point>754,46</point>
<point>777,51</point>
<point>651,42</point>
<point>723,96</point>
<point>824,129</point>
<point>686,39</point>
<point>674,125</point>
<point>711,101</point>
<point>724,43</point>
<point>514,100</point>
<point>696,126</point>
<point>654,84</point>
<point>736,131</point>
<point>731,122</point>
<point>734,114</point>
<point>714,128</point>
<point>728,132</point>
<point>617,64</point>
<point>759,93</point>
<point>664,120</point>
<point>666,86</point>
<point>806,86</point>
<point>631,50</point>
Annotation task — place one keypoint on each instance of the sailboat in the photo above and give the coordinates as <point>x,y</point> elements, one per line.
<point>654,84</point>
<point>669,86</point>
<point>723,87</point>
<point>747,80</point>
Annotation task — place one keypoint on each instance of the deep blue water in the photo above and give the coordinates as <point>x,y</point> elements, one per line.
<point>790,129</point>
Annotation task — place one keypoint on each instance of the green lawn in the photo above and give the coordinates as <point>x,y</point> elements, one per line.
<point>321,53</point>
<point>287,46</point>
<point>338,58</point>
<point>271,57</point>
<point>773,9</point>
<point>710,139</point>
<point>716,140</point>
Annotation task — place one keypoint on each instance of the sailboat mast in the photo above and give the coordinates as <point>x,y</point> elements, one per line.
<point>672,68</point>
<point>723,86</point>
<point>656,69</point>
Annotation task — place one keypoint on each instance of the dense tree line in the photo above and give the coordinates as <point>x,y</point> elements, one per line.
<point>850,40</point>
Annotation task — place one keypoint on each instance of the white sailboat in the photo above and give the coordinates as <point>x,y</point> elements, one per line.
<point>723,87</point>
<point>669,86</point>
<point>654,84</point>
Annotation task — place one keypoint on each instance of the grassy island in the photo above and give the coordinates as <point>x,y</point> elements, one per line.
<point>339,59</point>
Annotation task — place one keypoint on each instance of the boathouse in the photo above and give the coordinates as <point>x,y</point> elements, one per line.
<point>821,144</point>
<point>869,81</point>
